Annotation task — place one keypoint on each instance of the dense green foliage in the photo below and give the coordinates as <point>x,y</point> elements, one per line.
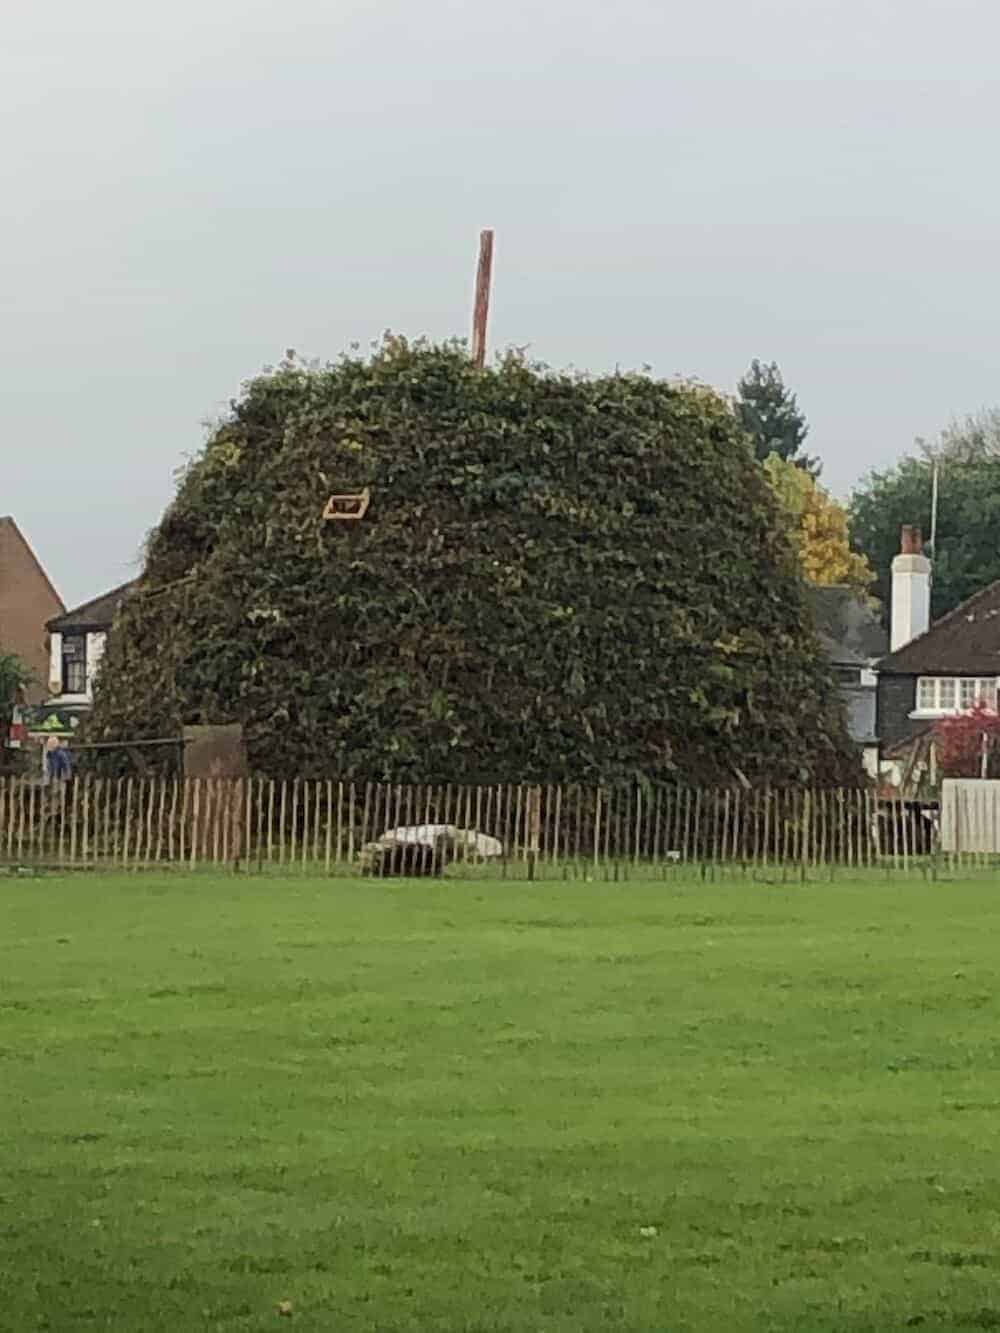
<point>967,554</point>
<point>440,1108</point>
<point>558,578</point>
<point>15,677</point>
<point>771,416</point>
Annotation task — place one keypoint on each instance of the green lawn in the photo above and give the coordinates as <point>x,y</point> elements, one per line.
<point>498,1107</point>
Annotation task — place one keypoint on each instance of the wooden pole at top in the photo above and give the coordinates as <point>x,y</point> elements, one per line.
<point>480,314</point>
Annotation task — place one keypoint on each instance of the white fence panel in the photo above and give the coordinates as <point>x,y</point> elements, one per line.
<point>970,815</point>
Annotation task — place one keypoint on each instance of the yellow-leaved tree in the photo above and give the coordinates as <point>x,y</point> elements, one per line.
<point>819,527</point>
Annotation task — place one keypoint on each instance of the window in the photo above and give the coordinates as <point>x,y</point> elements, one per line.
<point>848,675</point>
<point>955,694</point>
<point>74,664</point>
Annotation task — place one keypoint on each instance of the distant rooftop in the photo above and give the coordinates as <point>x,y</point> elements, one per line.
<point>9,524</point>
<point>95,614</point>
<point>850,632</point>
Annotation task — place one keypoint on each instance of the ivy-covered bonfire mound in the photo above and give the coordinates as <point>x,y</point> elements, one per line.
<point>557,578</point>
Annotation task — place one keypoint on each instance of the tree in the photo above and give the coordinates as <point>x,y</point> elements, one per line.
<point>557,578</point>
<point>14,679</point>
<point>819,527</point>
<point>963,741</point>
<point>770,415</point>
<point>969,439</point>
<point>967,554</point>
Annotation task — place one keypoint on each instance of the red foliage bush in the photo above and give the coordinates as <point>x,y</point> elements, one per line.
<point>960,741</point>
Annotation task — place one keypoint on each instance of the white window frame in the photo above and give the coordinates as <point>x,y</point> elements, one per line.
<point>951,694</point>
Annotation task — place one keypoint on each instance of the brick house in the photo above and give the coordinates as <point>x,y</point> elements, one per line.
<point>27,602</point>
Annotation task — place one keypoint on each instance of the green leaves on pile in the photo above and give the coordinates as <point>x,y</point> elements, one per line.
<point>558,578</point>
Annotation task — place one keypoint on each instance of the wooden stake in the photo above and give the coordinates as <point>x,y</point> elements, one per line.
<point>351,797</point>
<point>106,789</point>
<point>597,829</point>
<point>246,792</point>
<point>159,818</point>
<point>317,824</point>
<point>184,788</point>
<point>365,836</point>
<point>534,797</point>
<point>62,821</point>
<point>737,852</point>
<point>637,831</point>
<point>127,831</point>
<point>304,839</point>
<point>10,789</point>
<point>481,310</point>
<point>394,819</point>
<point>657,844</point>
<point>509,835</point>
<point>578,832</point>
<point>226,787</point>
<point>555,850</point>
<point>329,826</point>
<point>32,799</point>
<point>213,817</point>
<point>270,821</point>
<point>20,819</point>
<point>150,797</point>
<point>85,833</point>
<point>195,822</point>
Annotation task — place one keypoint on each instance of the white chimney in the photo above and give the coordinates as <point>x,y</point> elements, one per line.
<point>911,590</point>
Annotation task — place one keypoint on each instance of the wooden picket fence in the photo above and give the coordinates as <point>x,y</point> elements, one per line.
<point>548,831</point>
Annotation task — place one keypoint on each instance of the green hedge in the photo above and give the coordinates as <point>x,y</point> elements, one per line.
<point>558,578</point>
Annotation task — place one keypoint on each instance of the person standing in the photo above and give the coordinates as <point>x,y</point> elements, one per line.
<point>58,766</point>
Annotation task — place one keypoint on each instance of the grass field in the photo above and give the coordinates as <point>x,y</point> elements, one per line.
<point>469,1107</point>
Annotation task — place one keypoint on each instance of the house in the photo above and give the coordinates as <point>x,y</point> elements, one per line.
<point>853,640</point>
<point>76,645</point>
<point>932,671</point>
<point>27,601</point>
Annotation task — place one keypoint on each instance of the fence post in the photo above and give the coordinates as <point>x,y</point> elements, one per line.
<point>534,812</point>
<point>597,828</point>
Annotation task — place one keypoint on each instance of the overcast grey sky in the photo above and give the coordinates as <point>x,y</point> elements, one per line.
<point>193,187</point>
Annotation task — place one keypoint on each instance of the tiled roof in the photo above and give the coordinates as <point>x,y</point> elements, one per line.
<point>965,642</point>
<point>850,632</point>
<point>96,614</point>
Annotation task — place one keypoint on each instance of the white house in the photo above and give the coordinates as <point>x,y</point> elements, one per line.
<point>936,669</point>
<point>853,639</point>
<point>76,646</point>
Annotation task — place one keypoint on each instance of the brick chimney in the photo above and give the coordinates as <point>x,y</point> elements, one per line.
<point>911,590</point>
<point>911,541</point>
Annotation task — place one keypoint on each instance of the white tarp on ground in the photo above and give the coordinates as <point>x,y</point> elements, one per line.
<point>970,815</point>
<point>466,841</point>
